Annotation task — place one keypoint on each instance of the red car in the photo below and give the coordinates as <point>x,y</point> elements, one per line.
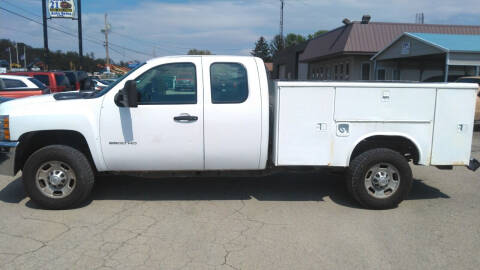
<point>12,86</point>
<point>56,81</point>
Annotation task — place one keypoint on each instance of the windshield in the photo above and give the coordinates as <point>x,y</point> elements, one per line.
<point>110,86</point>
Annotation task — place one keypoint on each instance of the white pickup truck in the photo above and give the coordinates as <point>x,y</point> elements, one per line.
<point>219,115</point>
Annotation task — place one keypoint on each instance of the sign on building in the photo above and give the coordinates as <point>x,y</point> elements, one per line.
<point>405,47</point>
<point>61,8</point>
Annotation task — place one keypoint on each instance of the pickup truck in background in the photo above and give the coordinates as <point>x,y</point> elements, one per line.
<point>218,115</point>
<point>56,81</point>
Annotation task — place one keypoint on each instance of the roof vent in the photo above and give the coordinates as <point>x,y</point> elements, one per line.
<point>346,21</point>
<point>366,19</point>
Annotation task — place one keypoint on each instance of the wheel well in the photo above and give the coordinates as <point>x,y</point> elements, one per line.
<point>397,143</point>
<point>32,141</point>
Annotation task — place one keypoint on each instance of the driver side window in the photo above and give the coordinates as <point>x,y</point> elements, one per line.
<point>168,84</point>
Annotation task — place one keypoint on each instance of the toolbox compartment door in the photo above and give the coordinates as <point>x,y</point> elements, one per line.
<point>453,129</point>
<point>304,125</point>
<point>391,104</point>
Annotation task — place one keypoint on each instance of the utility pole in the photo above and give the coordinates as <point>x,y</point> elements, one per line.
<point>10,53</point>
<point>25,56</point>
<point>282,4</point>
<point>80,39</point>
<point>105,31</point>
<point>45,34</point>
<point>16,49</point>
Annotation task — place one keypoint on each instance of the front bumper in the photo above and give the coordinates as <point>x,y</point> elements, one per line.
<point>7,158</point>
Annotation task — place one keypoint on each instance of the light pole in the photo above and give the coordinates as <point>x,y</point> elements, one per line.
<point>45,34</point>
<point>80,40</point>
<point>105,31</point>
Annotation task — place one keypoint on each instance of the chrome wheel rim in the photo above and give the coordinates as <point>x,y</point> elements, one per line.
<point>382,180</point>
<point>55,179</point>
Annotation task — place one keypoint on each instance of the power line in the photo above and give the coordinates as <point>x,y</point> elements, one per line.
<point>141,41</point>
<point>70,34</point>
<point>40,17</point>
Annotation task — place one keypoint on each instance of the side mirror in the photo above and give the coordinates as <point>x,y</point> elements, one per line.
<point>127,97</point>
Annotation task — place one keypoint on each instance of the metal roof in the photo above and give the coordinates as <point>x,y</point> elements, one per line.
<point>449,42</point>
<point>357,38</point>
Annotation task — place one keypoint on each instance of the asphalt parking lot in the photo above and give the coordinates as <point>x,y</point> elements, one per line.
<point>285,221</point>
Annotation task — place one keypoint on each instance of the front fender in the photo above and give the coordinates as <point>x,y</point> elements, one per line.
<point>79,115</point>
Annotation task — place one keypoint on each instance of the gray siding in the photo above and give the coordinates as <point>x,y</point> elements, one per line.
<point>325,69</point>
<point>464,59</point>
<point>417,48</point>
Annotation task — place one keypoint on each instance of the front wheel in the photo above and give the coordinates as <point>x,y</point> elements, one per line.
<point>379,178</point>
<point>58,177</point>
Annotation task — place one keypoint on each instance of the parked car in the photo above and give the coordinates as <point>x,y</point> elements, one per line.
<point>99,84</point>
<point>184,84</point>
<point>228,125</point>
<point>474,79</point>
<point>109,81</point>
<point>13,86</point>
<point>4,63</point>
<point>55,80</point>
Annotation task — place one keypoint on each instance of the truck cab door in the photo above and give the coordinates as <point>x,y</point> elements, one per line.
<point>233,113</point>
<point>165,131</point>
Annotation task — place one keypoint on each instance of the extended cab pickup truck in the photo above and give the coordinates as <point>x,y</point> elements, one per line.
<point>226,120</point>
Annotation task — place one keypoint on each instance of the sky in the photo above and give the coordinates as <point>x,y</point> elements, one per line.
<point>143,29</point>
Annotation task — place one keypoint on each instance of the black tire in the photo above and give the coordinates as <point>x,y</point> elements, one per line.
<point>359,168</point>
<point>76,160</point>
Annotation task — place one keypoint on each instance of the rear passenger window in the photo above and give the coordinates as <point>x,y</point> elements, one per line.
<point>228,83</point>
<point>10,83</point>
<point>43,79</point>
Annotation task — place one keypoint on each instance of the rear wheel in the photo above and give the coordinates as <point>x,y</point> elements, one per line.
<point>379,178</point>
<point>58,177</point>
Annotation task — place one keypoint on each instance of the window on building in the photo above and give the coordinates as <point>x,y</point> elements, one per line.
<point>341,69</point>
<point>168,84</point>
<point>229,83</point>
<point>381,75</point>
<point>396,74</point>
<point>282,74</point>
<point>347,69</point>
<point>366,71</point>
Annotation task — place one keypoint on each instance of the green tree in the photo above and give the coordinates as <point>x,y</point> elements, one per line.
<point>262,50</point>
<point>276,45</point>
<point>293,39</point>
<point>316,34</point>
<point>198,52</point>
